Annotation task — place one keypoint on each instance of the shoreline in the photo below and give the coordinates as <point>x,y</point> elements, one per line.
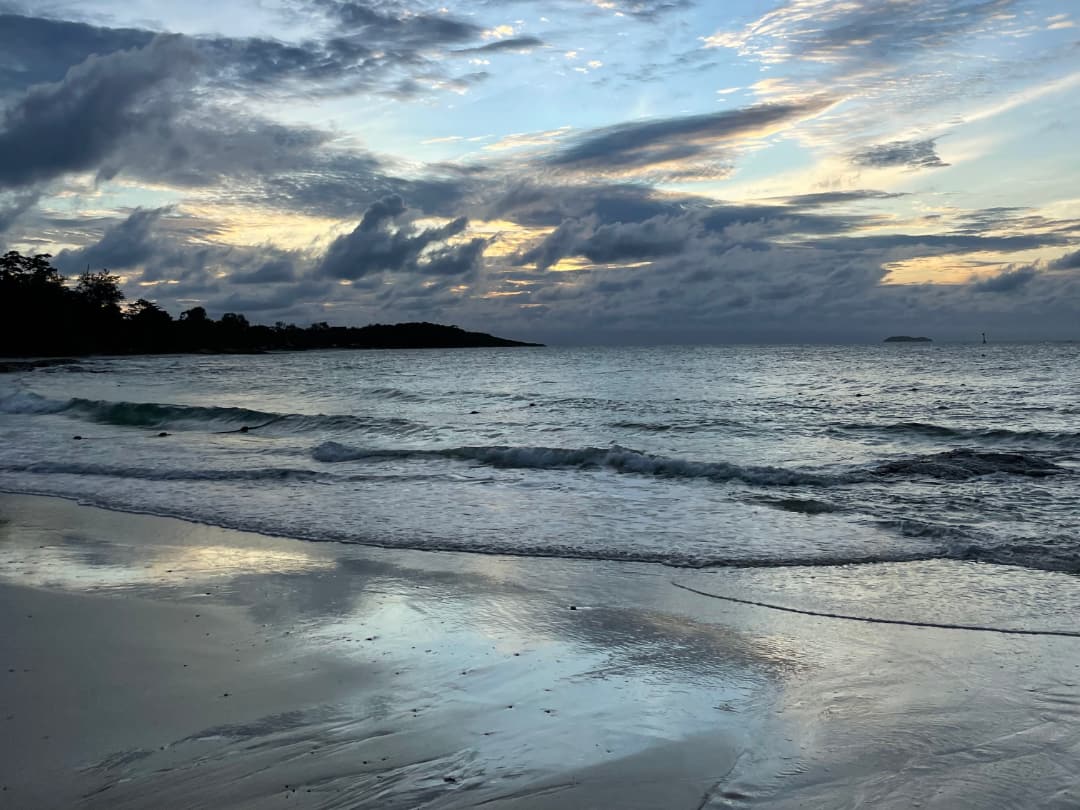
<point>177,664</point>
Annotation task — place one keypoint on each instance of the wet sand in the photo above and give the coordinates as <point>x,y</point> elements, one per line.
<point>150,662</point>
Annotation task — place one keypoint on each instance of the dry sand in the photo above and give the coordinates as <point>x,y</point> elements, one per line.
<point>154,663</point>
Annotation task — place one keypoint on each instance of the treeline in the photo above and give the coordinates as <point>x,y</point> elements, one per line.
<point>43,314</point>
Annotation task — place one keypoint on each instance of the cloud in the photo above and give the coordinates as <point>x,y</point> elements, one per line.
<point>40,51</point>
<point>688,229</point>
<point>669,142</point>
<point>387,240</point>
<point>912,154</point>
<point>379,25</point>
<point>201,146</point>
<point>1070,261</point>
<point>14,204</point>
<point>859,31</point>
<point>613,242</point>
<point>1006,281</point>
<point>267,271</point>
<point>384,49</point>
<point>73,124</point>
<point>123,246</point>
<point>824,198</point>
<point>644,10</point>
<point>515,44</point>
<point>166,257</point>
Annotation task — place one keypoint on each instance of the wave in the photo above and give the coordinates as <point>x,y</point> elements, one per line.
<point>1050,553</point>
<point>962,463</point>
<point>670,557</point>
<point>163,474</point>
<point>675,426</point>
<point>802,506</point>
<point>927,429</point>
<point>619,459</point>
<point>954,465</point>
<point>398,394</point>
<point>1059,552</point>
<point>179,417</point>
<point>30,403</point>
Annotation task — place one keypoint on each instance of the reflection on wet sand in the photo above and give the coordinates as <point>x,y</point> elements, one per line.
<point>217,668</point>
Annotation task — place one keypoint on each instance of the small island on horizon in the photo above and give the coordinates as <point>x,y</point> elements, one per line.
<point>907,339</point>
<point>41,315</point>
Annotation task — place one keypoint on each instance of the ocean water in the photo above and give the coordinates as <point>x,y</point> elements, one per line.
<point>741,456</point>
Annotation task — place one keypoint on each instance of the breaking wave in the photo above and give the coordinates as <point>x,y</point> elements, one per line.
<point>194,417</point>
<point>619,459</point>
<point>954,465</point>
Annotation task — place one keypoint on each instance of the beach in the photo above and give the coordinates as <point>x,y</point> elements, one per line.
<point>152,662</point>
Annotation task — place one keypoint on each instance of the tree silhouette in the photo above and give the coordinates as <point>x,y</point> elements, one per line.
<point>101,290</point>
<point>41,314</point>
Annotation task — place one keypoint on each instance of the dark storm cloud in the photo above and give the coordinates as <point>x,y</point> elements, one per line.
<point>370,49</point>
<point>649,143</point>
<point>158,245</point>
<point>273,270</point>
<point>913,154</point>
<point>1006,281</point>
<point>344,189</point>
<point>655,228</point>
<point>1070,261</point>
<point>39,51</point>
<point>13,205</point>
<point>538,205</point>
<point>139,112</point>
<point>957,242</point>
<point>122,246</point>
<point>277,299</point>
<point>615,242</point>
<point>204,146</point>
<point>388,241</point>
<point>135,112</point>
<point>72,125</point>
<point>512,44</point>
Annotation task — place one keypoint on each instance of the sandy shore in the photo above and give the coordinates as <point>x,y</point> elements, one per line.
<point>150,662</point>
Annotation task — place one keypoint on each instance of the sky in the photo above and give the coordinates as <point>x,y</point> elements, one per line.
<point>567,171</point>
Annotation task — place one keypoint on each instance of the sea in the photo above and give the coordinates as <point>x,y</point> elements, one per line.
<point>690,457</point>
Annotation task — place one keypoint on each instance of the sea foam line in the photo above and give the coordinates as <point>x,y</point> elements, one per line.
<point>1015,631</point>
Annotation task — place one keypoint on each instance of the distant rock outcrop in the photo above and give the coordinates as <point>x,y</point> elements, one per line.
<point>907,339</point>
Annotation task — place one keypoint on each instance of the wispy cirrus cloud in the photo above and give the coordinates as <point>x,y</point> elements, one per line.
<point>679,145</point>
<point>828,32</point>
<point>512,44</point>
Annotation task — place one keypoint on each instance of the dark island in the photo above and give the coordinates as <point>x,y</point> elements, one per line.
<point>907,339</point>
<point>41,315</point>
